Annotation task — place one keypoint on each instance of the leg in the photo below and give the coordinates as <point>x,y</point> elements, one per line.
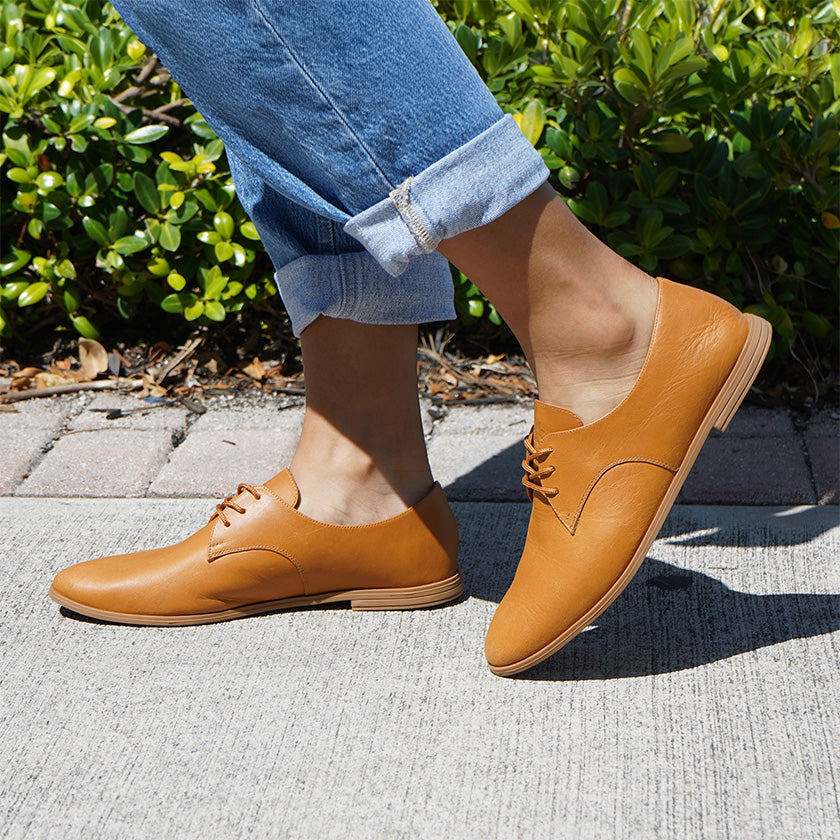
<point>348,469</point>
<point>583,314</point>
<point>361,455</point>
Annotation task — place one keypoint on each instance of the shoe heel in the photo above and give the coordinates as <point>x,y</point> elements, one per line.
<point>745,371</point>
<point>411,598</point>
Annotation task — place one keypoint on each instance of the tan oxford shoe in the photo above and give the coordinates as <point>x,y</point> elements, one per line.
<point>258,554</point>
<point>601,491</point>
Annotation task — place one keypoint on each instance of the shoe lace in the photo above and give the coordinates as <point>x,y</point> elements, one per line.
<point>230,503</point>
<point>534,473</point>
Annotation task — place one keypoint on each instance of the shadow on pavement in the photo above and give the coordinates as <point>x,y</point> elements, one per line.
<point>670,619</point>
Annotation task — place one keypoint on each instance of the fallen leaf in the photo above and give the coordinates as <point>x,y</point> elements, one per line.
<point>150,389</point>
<point>256,370</point>
<point>276,370</point>
<point>93,358</point>
<point>829,220</point>
<point>28,372</point>
<point>66,373</point>
<point>49,380</point>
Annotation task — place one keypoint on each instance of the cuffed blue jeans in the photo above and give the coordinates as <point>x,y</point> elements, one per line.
<point>359,136</point>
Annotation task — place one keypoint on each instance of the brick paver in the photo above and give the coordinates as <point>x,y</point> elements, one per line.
<point>102,463</point>
<point>212,463</point>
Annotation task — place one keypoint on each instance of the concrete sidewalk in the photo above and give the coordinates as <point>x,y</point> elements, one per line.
<point>702,704</point>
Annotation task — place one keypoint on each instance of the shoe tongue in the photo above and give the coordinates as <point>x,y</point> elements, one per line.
<point>552,418</point>
<point>284,487</point>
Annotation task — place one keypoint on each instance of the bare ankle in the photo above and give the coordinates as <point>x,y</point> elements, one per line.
<point>346,483</point>
<point>591,365</point>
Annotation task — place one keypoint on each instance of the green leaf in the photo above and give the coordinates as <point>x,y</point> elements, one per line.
<point>816,325</point>
<point>223,223</point>
<point>102,49</point>
<point>147,192</point>
<point>72,297</point>
<point>214,310</point>
<point>475,307</point>
<point>194,310</point>
<point>178,302</point>
<point>223,251</point>
<point>213,281</point>
<point>15,261</point>
<point>130,244</point>
<point>33,294</point>
<point>146,134</point>
<point>208,237</point>
<point>672,142</point>
<point>20,175</point>
<point>170,236</point>
<point>13,289</point>
<point>249,231</point>
<point>467,40</point>
<point>176,281</point>
<point>649,225</point>
<point>84,327</point>
<point>49,180</point>
<point>531,121</point>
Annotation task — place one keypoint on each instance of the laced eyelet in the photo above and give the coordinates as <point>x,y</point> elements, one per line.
<point>534,473</point>
<point>229,502</point>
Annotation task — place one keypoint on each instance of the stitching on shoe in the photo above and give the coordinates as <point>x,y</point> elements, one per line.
<point>575,517</point>
<point>274,550</point>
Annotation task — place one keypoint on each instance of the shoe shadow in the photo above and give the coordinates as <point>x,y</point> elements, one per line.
<point>669,618</point>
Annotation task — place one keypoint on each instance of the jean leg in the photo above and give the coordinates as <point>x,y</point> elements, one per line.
<point>367,113</point>
<point>321,270</point>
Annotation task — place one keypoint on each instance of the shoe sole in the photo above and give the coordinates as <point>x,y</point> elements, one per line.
<point>719,416</point>
<point>409,598</point>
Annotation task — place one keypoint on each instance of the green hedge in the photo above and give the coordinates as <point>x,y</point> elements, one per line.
<point>698,139</point>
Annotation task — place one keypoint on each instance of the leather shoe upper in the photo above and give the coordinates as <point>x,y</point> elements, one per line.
<point>258,547</point>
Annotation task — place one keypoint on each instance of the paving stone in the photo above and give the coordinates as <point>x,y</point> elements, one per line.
<point>512,421</point>
<point>743,471</point>
<point>25,433</point>
<point>752,421</point>
<point>473,467</point>
<point>41,412</point>
<point>20,449</point>
<point>824,423</point>
<point>267,418</point>
<point>138,415</point>
<point>211,463</point>
<point>824,453</point>
<point>113,462</point>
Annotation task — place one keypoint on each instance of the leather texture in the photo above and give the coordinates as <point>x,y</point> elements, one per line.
<point>603,484</point>
<point>266,553</point>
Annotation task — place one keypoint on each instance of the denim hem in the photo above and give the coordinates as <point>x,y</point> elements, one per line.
<point>467,188</point>
<point>354,287</point>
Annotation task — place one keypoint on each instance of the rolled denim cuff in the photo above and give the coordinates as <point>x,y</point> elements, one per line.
<point>467,188</point>
<point>353,286</point>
